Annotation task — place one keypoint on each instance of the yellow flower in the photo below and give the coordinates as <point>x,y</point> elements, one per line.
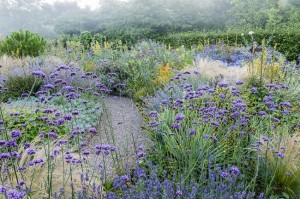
<point>95,47</point>
<point>165,72</point>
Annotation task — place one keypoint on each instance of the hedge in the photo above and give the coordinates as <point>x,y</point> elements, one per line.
<point>287,42</point>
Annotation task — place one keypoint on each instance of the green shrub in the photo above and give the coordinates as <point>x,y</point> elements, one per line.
<point>17,85</point>
<point>22,44</point>
<point>99,38</point>
<point>287,42</point>
<point>86,39</point>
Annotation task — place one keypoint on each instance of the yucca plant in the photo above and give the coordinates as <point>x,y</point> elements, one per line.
<point>22,44</point>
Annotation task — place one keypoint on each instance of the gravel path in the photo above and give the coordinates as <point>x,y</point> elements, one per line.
<point>120,126</point>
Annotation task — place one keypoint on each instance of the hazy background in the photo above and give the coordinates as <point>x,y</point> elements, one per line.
<point>148,18</point>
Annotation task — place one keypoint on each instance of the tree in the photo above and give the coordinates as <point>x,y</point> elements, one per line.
<point>251,14</point>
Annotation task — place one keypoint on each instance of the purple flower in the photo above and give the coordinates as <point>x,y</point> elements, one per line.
<point>24,95</point>
<point>15,133</point>
<point>83,144</point>
<point>179,117</point>
<point>271,85</point>
<point>68,157</point>
<point>224,119</point>
<point>223,85</point>
<point>68,88</point>
<point>239,83</point>
<point>224,174</point>
<point>261,113</point>
<point>11,143</point>
<point>265,139</point>
<point>38,73</point>
<point>170,87</point>
<point>2,142</point>
<point>4,156</point>
<point>63,67</point>
<point>235,170</point>
<point>211,90</point>
<point>3,189</point>
<point>140,148</point>
<point>68,117</point>
<point>222,96</point>
<point>26,145</point>
<point>53,75</point>
<point>15,154</point>
<point>52,135</point>
<point>86,153</point>
<point>75,112</point>
<point>215,124</point>
<point>140,154</point>
<point>176,125</point>
<point>49,86</point>
<point>153,124</point>
<point>55,152</point>
<point>235,114</point>
<point>286,104</point>
<point>30,151</point>
<point>36,161</point>
<point>14,194</point>
<point>164,102</point>
<point>253,89</point>
<point>21,183</point>
<point>57,81</point>
<point>47,111</point>
<point>153,113</point>
<point>93,130</point>
<point>192,132</point>
<point>280,155</point>
<point>100,85</point>
<point>178,193</point>
<point>125,178</point>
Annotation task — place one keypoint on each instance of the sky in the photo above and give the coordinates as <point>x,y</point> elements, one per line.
<point>93,4</point>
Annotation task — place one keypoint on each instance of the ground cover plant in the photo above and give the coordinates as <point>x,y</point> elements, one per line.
<point>223,121</point>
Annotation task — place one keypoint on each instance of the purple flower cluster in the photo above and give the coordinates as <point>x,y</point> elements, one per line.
<point>105,148</point>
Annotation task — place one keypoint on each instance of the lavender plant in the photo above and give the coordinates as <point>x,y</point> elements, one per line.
<point>218,121</point>
<point>23,164</point>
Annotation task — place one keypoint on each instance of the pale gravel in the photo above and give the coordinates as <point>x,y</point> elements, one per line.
<point>122,120</point>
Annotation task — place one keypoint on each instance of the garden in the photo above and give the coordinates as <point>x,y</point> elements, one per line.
<point>143,113</point>
<point>221,121</point>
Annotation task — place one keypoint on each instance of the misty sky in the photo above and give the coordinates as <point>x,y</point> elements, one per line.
<point>93,4</point>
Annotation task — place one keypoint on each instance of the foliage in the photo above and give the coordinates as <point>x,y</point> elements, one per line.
<point>141,69</point>
<point>18,85</point>
<point>267,65</point>
<point>284,40</point>
<point>22,44</point>
<point>90,112</point>
<point>144,181</point>
<point>280,167</point>
<point>33,131</point>
<point>86,39</point>
<point>192,122</point>
<point>31,123</point>
<point>211,138</point>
